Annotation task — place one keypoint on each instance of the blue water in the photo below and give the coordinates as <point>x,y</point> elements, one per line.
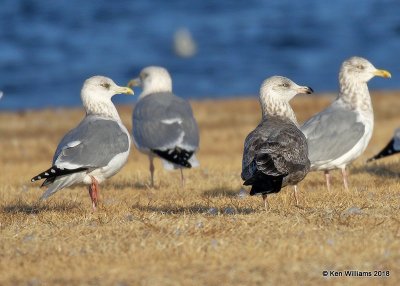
<point>48,48</point>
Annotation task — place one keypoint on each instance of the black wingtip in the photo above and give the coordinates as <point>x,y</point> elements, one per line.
<point>387,151</point>
<point>264,184</point>
<point>53,172</point>
<point>177,156</point>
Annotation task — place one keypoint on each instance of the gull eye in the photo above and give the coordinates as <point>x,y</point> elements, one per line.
<point>144,75</point>
<point>285,85</point>
<point>105,85</point>
<point>360,67</point>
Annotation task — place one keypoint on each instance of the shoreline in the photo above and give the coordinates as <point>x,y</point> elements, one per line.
<point>194,100</point>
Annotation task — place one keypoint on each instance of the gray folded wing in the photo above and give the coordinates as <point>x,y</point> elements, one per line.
<point>162,121</point>
<point>92,144</point>
<point>276,147</point>
<point>396,140</point>
<point>332,133</point>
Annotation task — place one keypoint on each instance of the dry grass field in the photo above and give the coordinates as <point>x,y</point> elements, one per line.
<point>204,234</point>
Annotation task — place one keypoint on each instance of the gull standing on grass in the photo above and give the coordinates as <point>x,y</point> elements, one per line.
<point>275,153</point>
<point>391,148</point>
<point>163,124</point>
<point>96,149</point>
<point>339,134</point>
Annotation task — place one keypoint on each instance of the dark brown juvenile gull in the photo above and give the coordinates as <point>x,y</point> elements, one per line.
<point>391,148</point>
<point>340,134</point>
<point>275,153</point>
<point>163,124</point>
<point>96,149</point>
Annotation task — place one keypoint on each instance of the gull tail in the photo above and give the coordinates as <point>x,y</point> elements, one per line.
<point>176,156</point>
<point>387,151</point>
<point>194,161</point>
<point>60,183</point>
<point>264,184</point>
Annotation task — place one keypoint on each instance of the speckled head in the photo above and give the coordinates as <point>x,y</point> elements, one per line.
<point>153,79</point>
<point>361,70</point>
<point>282,88</point>
<point>275,94</point>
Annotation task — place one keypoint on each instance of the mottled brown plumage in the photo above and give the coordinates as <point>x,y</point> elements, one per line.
<point>275,153</point>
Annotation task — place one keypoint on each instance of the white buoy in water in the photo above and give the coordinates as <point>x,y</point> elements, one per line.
<point>184,44</point>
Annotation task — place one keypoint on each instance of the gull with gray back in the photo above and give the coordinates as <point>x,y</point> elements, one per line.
<point>96,149</point>
<point>163,124</point>
<point>340,134</point>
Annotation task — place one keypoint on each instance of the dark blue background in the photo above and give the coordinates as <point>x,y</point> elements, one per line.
<point>48,48</point>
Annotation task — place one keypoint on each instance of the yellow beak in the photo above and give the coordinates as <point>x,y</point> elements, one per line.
<point>382,73</point>
<point>135,82</point>
<point>124,90</point>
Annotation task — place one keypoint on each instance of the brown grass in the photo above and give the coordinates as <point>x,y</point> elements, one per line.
<point>204,234</point>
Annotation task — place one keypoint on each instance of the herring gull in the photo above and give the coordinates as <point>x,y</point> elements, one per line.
<point>163,124</point>
<point>96,149</point>
<point>391,148</point>
<point>275,153</point>
<point>339,134</point>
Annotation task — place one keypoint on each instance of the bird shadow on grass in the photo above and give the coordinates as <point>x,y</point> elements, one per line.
<point>128,185</point>
<point>171,209</point>
<point>38,207</point>
<point>194,209</point>
<point>385,171</point>
<point>220,192</point>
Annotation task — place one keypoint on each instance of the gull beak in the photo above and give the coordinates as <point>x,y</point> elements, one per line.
<point>135,82</point>
<point>305,90</point>
<point>382,73</point>
<point>124,90</point>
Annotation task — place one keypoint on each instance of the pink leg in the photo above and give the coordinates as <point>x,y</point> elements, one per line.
<point>266,204</point>
<point>296,195</point>
<point>328,179</point>
<point>182,179</point>
<point>94,192</point>
<point>151,158</point>
<point>344,175</point>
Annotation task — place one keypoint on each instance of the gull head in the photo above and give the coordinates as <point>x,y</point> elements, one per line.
<point>280,88</point>
<point>361,70</point>
<point>153,79</point>
<point>101,87</point>
<point>96,95</point>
